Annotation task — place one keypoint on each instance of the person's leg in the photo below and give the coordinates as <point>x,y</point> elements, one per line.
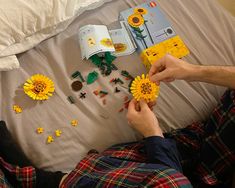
<point>12,154</point>
<point>217,154</point>
<point>188,141</point>
<point>208,149</point>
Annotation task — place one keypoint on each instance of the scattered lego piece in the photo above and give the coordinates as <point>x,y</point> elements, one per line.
<point>117,90</point>
<point>40,130</point>
<point>104,92</point>
<point>114,67</point>
<point>108,71</point>
<point>120,81</point>
<point>109,58</point>
<point>75,74</point>
<point>58,132</point>
<point>104,63</point>
<point>71,99</point>
<point>112,80</point>
<point>96,60</point>
<point>82,95</point>
<point>78,74</point>
<point>96,92</point>
<point>104,102</point>
<point>17,109</point>
<point>116,81</point>
<point>50,139</point>
<point>74,123</point>
<point>127,75</point>
<point>92,77</point>
<point>77,86</point>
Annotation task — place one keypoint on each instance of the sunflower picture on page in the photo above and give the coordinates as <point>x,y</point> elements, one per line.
<point>39,87</point>
<point>143,88</point>
<point>139,25</point>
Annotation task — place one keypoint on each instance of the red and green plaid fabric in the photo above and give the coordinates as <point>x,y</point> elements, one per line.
<point>123,166</point>
<point>26,177</point>
<point>208,149</point>
<point>217,154</point>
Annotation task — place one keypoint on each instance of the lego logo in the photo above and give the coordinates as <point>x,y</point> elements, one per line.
<point>153,4</point>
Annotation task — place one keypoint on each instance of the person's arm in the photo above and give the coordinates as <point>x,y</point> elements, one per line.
<point>170,68</point>
<point>159,149</point>
<point>218,75</point>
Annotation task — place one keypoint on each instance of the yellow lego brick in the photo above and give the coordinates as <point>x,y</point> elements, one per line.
<point>174,46</point>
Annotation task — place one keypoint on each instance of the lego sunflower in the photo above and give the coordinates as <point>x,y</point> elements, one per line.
<point>141,11</point>
<point>39,87</point>
<point>135,20</point>
<point>143,88</point>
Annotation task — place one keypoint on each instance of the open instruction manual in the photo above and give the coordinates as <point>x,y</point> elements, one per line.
<point>95,39</point>
<point>144,28</point>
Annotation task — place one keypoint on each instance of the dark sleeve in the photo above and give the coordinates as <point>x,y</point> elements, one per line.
<point>163,151</point>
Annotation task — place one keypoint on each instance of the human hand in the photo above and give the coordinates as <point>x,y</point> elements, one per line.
<point>141,118</point>
<point>169,68</point>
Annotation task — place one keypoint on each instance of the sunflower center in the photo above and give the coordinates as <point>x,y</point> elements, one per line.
<point>140,10</point>
<point>39,86</point>
<point>146,88</point>
<point>136,20</point>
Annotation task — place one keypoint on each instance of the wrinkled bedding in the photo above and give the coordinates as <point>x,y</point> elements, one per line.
<point>206,28</point>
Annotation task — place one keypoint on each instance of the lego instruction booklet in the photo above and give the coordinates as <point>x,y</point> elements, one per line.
<point>144,28</point>
<point>95,39</point>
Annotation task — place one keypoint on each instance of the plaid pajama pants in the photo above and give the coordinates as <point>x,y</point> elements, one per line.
<point>208,149</point>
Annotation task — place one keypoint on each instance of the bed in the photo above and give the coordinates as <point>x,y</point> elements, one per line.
<point>206,28</point>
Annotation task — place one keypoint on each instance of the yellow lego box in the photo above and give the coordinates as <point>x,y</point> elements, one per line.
<point>174,46</point>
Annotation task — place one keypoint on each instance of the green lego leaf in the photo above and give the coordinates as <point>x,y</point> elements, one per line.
<point>92,77</point>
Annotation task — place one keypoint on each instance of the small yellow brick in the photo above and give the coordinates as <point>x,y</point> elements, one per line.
<point>74,123</point>
<point>17,109</point>
<point>58,133</point>
<point>40,130</point>
<point>50,139</point>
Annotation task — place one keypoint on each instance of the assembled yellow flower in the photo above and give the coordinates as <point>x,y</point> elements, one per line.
<point>39,87</point>
<point>135,20</point>
<point>141,11</point>
<point>143,88</point>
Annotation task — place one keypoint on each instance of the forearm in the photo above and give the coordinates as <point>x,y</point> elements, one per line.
<point>218,75</point>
